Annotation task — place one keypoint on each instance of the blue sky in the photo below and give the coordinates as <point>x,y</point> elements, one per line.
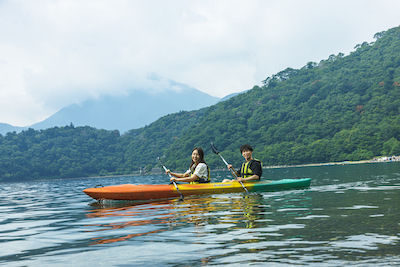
<point>57,52</point>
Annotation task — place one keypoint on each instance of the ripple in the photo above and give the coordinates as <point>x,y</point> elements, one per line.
<point>358,207</point>
<point>368,241</point>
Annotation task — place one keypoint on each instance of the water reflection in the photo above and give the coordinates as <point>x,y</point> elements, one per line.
<point>128,215</point>
<point>121,221</point>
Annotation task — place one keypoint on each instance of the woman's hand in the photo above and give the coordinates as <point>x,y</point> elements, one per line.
<point>229,166</point>
<point>172,179</point>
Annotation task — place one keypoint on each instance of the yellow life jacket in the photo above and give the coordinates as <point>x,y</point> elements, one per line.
<point>245,170</point>
<point>201,180</point>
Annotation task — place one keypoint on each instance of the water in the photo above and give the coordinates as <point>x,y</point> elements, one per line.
<point>349,216</point>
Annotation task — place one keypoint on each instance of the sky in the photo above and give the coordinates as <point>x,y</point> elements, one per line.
<point>54,53</point>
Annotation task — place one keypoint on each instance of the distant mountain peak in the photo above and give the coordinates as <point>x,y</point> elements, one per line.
<point>163,83</point>
<point>138,108</point>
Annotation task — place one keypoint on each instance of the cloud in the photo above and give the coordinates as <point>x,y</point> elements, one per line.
<point>55,53</point>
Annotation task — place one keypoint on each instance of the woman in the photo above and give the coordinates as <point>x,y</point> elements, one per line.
<point>198,171</point>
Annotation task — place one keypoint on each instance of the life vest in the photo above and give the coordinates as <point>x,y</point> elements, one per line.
<point>201,180</point>
<point>245,170</point>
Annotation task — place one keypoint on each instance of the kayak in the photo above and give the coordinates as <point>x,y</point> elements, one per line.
<point>165,191</point>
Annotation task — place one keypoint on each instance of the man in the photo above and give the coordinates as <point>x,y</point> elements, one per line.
<point>251,169</point>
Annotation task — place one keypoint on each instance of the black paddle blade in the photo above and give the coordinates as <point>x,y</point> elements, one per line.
<point>214,149</point>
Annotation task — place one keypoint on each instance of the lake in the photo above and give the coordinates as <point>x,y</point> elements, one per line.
<point>350,215</point>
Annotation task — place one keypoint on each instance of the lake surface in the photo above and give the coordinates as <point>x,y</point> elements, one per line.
<point>350,215</point>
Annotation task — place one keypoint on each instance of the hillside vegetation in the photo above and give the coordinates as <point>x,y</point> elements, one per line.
<point>342,108</point>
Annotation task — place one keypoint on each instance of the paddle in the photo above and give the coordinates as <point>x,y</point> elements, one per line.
<point>170,176</point>
<point>215,150</point>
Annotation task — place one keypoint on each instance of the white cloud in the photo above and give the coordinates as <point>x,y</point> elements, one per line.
<point>54,53</point>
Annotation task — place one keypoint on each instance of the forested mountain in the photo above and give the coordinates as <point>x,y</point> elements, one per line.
<point>86,151</point>
<point>342,108</point>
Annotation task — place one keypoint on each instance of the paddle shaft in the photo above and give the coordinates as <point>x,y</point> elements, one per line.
<point>170,176</point>
<point>233,172</point>
<point>231,169</point>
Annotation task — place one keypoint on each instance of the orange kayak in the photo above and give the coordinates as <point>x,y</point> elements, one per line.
<point>164,191</point>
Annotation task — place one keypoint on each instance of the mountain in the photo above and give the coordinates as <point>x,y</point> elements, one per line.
<point>131,111</point>
<point>135,110</point>
<point>5,128</point>
<point>342,108</point>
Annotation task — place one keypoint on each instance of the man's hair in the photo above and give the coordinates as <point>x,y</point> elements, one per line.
<point>245,147</point>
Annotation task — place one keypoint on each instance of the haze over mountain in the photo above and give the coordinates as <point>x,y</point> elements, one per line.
<point>131,111</point>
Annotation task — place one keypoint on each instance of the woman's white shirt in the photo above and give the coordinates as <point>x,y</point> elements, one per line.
<point>200,171</point>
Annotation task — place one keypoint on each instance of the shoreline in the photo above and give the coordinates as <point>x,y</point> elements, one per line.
<point>375,160</point>
<point>319,164</point>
